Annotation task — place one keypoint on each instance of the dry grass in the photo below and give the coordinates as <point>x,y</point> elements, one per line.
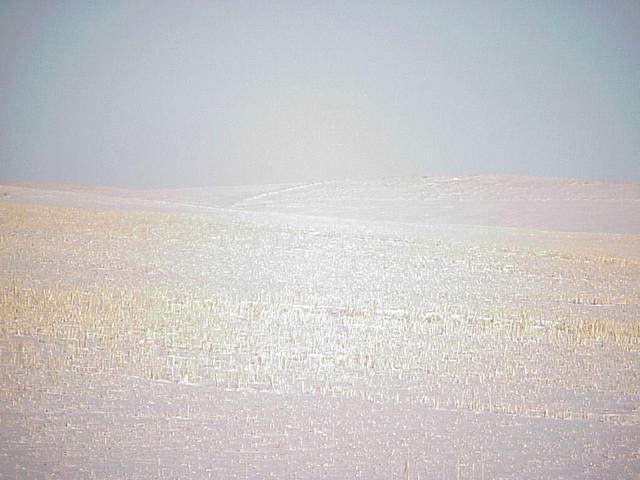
<point>441,358</point>
<point>91,292</point>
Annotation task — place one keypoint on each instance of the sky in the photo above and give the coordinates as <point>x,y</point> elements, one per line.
<point>186,93</point>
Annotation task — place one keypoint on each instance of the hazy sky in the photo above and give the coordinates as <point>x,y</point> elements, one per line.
<point>154,94</point>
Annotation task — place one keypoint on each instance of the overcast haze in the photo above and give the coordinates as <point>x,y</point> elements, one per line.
<point>159,94</point>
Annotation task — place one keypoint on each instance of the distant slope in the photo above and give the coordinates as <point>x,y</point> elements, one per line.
<point>129,199</point>
<point>556,204</point>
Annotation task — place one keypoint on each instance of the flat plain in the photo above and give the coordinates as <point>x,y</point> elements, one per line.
<point>445,328</point>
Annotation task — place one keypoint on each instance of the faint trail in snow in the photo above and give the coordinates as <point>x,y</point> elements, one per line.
<point>260,196</point>
<point>141,204</point>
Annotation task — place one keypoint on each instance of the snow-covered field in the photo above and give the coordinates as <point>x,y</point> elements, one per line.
<point>457,328</point>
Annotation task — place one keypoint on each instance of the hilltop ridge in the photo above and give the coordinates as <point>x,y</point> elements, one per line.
<point>541,203</point>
